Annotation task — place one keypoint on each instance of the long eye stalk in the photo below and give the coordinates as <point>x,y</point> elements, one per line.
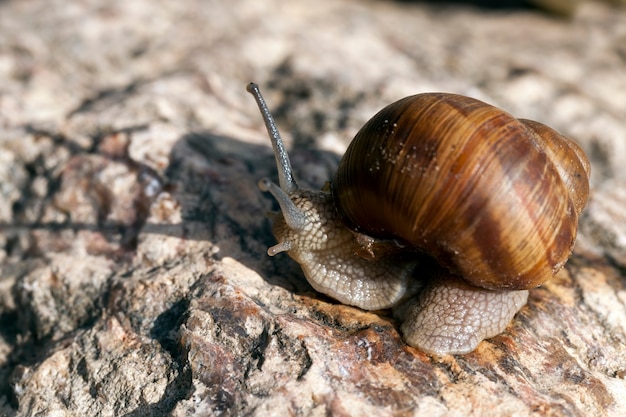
<point>285,175</point>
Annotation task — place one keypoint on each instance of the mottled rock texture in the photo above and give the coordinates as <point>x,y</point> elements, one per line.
<point>133,273</point>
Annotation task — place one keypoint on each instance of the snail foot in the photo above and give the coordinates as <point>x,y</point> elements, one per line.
<point>453,317</point>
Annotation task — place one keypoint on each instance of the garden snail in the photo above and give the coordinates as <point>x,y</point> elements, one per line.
<point>492,199</point>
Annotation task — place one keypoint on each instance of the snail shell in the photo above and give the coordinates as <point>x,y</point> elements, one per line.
<point>492,199</point>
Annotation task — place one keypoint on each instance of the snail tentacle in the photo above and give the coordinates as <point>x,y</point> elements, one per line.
<point>294,217</point>
<point>285,173</point>
<point>283,246</point>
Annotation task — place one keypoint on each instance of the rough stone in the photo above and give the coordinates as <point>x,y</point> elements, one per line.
<point>133,273</point>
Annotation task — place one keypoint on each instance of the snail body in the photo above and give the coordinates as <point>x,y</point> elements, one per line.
<point>492,199</point>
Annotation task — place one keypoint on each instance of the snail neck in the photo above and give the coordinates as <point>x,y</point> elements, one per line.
<point>331,255</point>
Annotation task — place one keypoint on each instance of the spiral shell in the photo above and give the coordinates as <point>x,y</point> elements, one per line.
<point>492,198</point>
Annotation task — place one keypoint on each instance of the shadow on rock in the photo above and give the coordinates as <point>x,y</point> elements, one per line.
<point>215,178</point>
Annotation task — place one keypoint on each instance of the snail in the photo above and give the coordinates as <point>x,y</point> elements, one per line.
<point>443,208</point>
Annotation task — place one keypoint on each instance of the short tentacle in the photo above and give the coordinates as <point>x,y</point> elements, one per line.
<point>295,218</point>
<point>283,246</point>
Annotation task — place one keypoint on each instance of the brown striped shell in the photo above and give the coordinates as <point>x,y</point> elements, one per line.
<point>492,198</point>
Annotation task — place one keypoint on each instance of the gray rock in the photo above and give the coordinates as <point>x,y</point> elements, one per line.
<point>133,273</point>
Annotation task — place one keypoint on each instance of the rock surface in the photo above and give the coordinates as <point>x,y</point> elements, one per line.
<point>133,273</point>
